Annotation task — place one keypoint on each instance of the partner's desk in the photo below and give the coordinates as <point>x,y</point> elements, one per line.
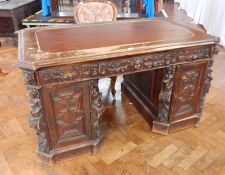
<point>166,68</point>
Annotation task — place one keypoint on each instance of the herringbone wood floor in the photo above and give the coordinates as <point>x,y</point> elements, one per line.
<point>129,147</point>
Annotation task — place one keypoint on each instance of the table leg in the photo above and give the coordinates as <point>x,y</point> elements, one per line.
<point>66,118</point>
<point>112,85</point>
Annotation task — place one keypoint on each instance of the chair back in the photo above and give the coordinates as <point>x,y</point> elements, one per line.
<point>93,11</point>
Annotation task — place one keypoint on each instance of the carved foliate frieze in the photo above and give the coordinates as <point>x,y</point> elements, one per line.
<point>165,93</point>
<point>206,86</point>
<point>96,108</point>
<point>117,66</point>
<point>36,119</point>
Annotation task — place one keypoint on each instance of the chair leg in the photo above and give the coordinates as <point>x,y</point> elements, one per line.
<point>113,82</point>
<point>2,74</point>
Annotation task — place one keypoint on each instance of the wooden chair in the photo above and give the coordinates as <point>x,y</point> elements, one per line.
<point>93,11</point>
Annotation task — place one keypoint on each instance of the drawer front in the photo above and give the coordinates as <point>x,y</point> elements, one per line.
<point>66,109</point>
<point>189,79</point>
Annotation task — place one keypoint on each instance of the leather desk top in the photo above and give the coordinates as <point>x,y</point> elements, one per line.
<point>43,47</point>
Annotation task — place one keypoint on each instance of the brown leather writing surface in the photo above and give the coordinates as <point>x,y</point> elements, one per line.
<point>41,47</point>
<point>105,35</point>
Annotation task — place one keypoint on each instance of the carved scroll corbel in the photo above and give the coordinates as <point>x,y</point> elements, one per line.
<point>96,108</point>
<point>36,118</point>
<point>207,82</point>
<point>166,93</point>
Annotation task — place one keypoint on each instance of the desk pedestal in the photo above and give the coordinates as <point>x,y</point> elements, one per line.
<point>170,98</point>
<point>66,118</point>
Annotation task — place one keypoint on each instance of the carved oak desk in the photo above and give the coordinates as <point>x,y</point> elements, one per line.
<point>170,67</point>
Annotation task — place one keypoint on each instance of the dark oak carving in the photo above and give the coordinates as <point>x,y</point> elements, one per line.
<point>63,84</point>
<point>29,77</point>
<point>165,93</point>
<point>208,80</point>
<point>187,91</point>
<point>96,108</point>
<point>67,113</point>
<point>67,101</point>
<point>179,97</point>
<point>216,50</point>
<point>36,119</point>
<point>68,110</point>
<point>122,65</point>
<point>206,86</point>
<point>186,94</point>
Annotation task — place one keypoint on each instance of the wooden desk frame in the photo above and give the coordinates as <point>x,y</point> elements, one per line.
<point>58,89</point>
<point>114,67</point>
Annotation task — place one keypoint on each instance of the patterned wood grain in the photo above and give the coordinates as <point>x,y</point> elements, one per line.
<point>190,159</point>
<point>163,155</point>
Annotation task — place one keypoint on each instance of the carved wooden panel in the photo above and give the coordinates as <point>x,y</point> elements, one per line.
<point>67,113</point>
<point>189,79</point>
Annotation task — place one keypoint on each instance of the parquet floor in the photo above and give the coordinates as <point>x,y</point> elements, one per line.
<point>129,147</point>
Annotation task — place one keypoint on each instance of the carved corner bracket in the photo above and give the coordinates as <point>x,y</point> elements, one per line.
<point>36,118</point>
<point>29,77</point>
<point>166,93</point>
<point>96,108</point>
<point>206,86</point>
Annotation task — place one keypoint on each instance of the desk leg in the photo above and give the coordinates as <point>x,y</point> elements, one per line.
<point>170,98</point>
